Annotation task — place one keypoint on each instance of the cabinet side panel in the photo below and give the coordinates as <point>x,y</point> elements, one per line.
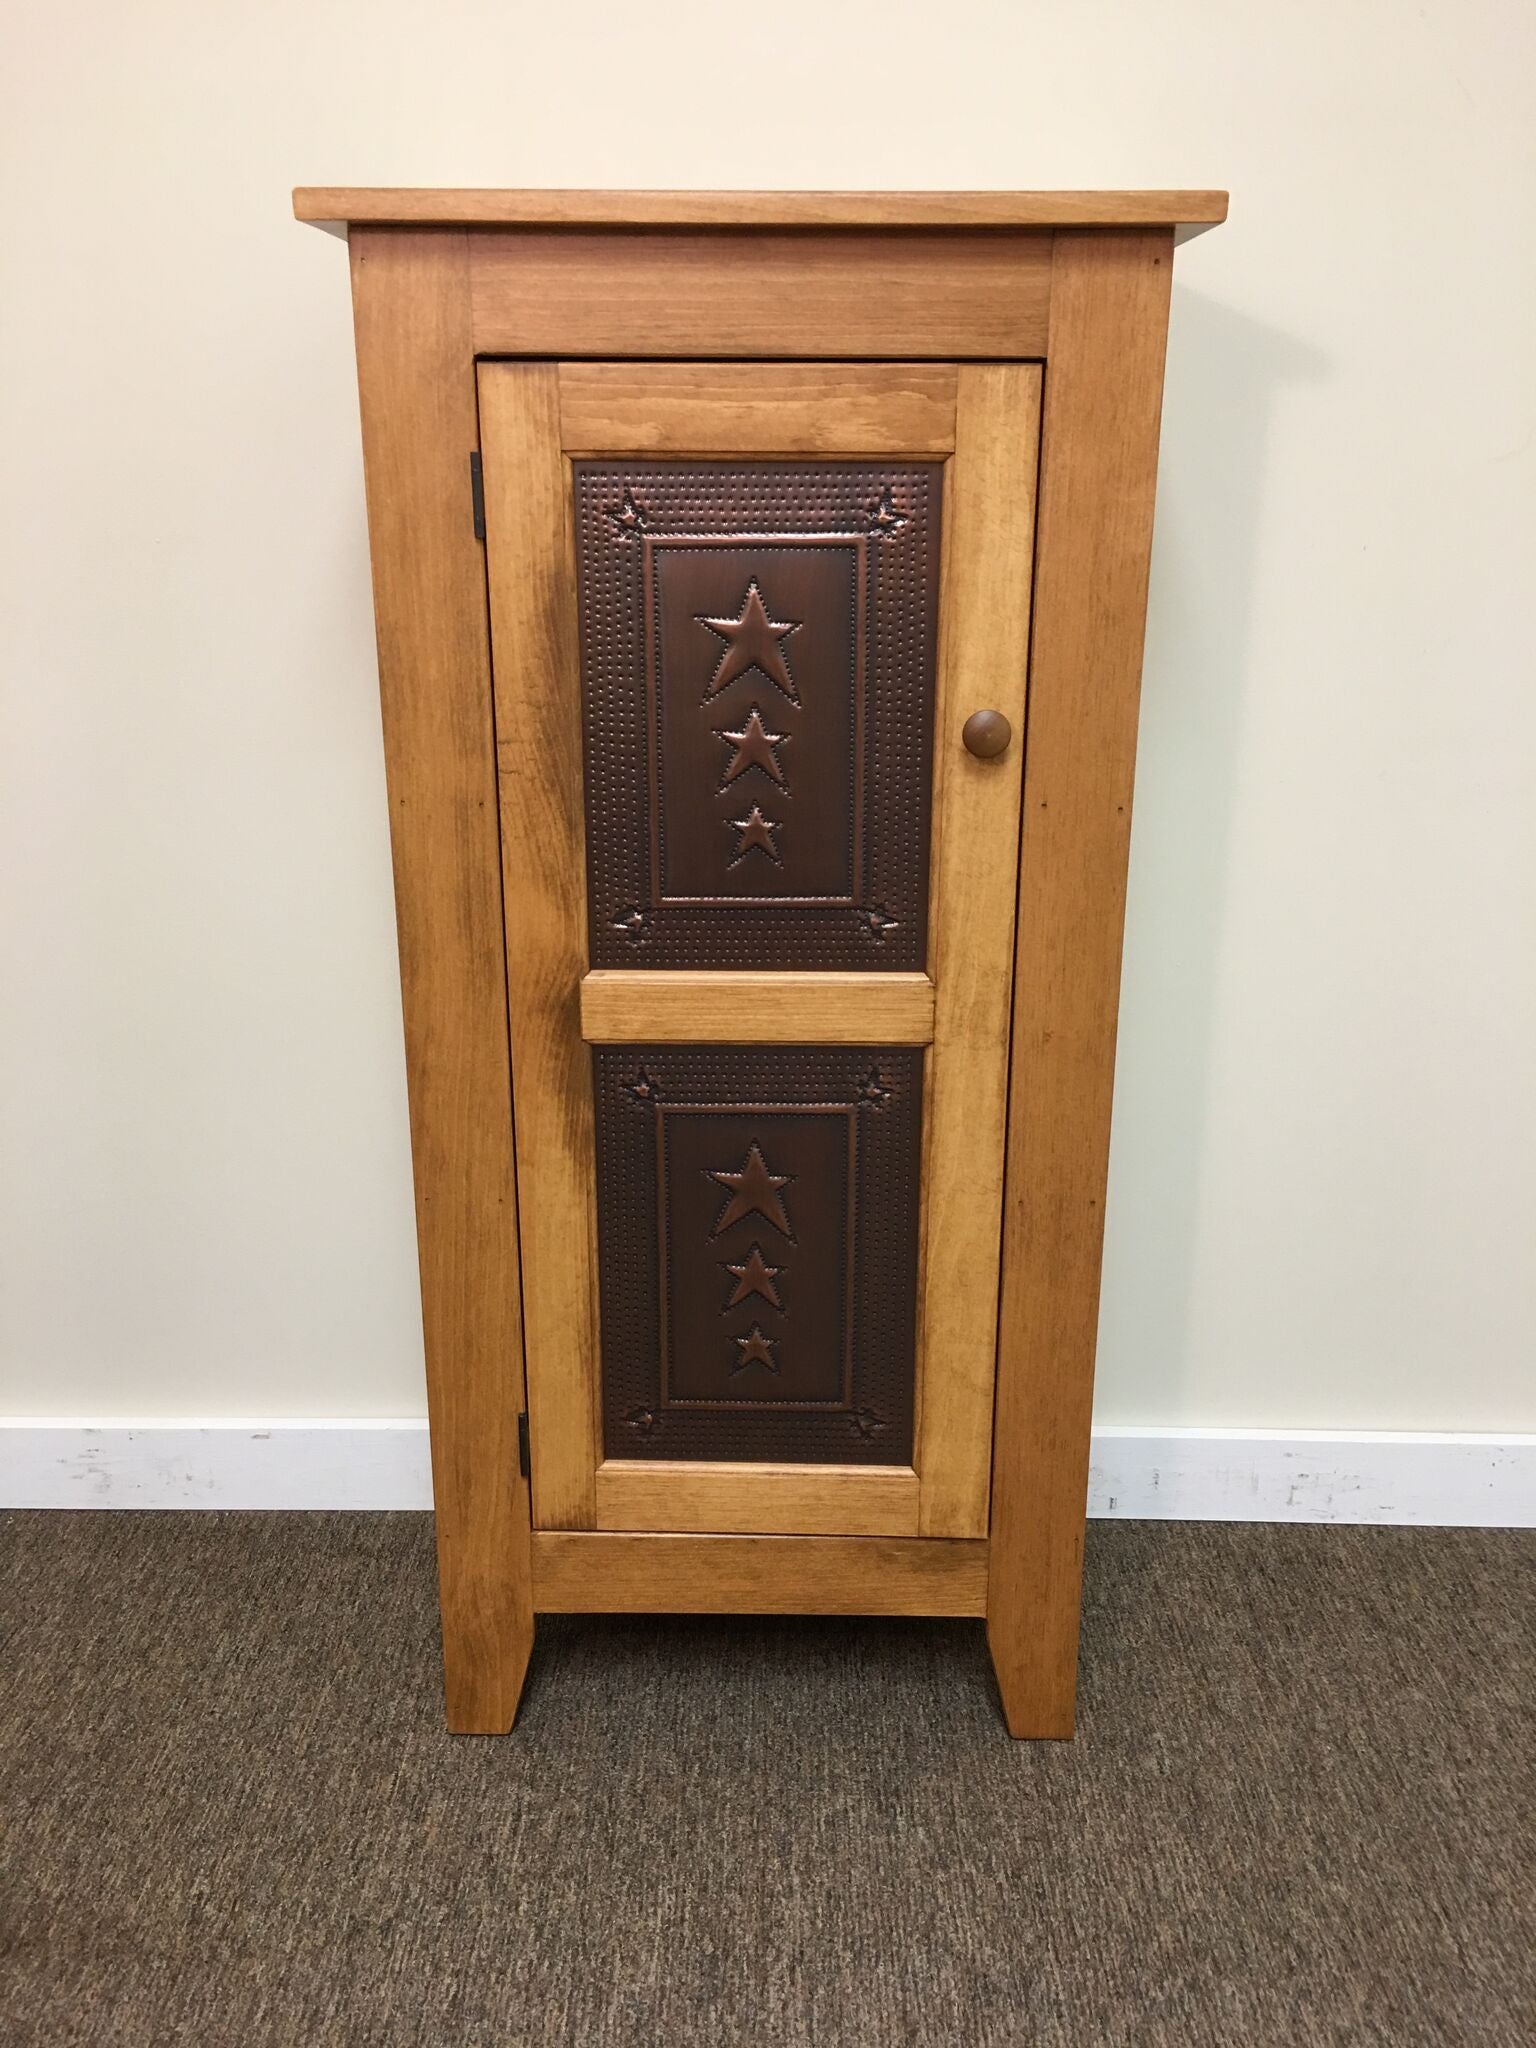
<point>1103,399</point>
<point>417,382</point>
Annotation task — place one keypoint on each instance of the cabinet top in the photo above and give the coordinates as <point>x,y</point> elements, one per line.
<point>335,207</point>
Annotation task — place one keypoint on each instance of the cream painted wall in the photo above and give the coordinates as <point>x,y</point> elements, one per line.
<point>1322,1210</point>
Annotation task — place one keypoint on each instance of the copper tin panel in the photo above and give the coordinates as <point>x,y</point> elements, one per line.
<point>757,1226</point>
<point>758,647</point>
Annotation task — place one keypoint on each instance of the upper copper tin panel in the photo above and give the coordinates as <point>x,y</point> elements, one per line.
<point>758,647</point>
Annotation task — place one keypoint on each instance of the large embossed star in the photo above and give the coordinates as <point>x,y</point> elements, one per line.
<point>756,831</point>
<point>752,640</point>
<point>754,1276</point>
<point>754,1192</point>
<point>755,1349</point>
<point>756,747</point>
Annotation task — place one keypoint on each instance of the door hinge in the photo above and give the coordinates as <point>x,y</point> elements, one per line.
<point>477,493</point>
<point>522,1445</point>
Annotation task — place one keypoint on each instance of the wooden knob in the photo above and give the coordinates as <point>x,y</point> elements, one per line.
<point>986,734</point>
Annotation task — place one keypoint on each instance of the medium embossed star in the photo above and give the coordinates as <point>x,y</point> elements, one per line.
<point>752,640</point>
<point>754,1276</point>
<point>756,747</point>
<point>755,1349</point>
<point>756,834</point>
<point>754,1192</point>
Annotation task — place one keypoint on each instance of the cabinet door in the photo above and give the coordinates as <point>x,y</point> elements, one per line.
<point>759,927</point>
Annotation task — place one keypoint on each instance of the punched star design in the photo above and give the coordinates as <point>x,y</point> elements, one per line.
<point>756,747</point>
<point>754,1192</point>
<point>755,1349</point>
<point>754,1276</point>
<point>877,921</point>
<point>883,519</point>
<point>629,519</point>
<point>756,834</point>
<point>752,641</point>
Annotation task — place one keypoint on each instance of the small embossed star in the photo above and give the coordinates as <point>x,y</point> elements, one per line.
<point>629,519</point>
<point>867,1422</point>
<point>874,1089</point>
<point>754,1275</point>
<point>754,1192</point>
<point>643,1088</point>
<point>755,1349</point>
<point>756,747</point>
<point>641,1419</point>
<point>752,640</point>
<point>876,920</point>
<point>756,836</point>
<point>634,923</point>
<point>883,519</point>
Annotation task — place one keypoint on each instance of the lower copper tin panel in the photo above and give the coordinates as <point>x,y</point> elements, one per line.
<point>758,1233</point>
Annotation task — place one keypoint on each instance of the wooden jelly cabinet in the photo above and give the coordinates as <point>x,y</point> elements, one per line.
<point>760,585</point>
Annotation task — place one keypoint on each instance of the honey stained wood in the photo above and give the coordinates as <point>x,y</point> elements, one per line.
<point>983,661</point>
<point>416,373</point>
<point>795,1500</point>
<point>1099,460</point>
<point>531,564</point>
<point>731,409</point>
<point>603,1573</point>
<point>713,293</point>
<point>334,206</point>
<point>621,1006</point>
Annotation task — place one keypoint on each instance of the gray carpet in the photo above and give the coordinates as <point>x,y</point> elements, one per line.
<point>1299,1809</point>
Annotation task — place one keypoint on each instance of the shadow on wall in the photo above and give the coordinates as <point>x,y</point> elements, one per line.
<point>1224,372</point>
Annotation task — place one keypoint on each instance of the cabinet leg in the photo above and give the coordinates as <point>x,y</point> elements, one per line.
<point>1036,1675</point>
<point>1035,1575</point>
<point>487,1621</point>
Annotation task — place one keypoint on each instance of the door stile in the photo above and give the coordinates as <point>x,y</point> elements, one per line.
<point>983,661</point>
<point>530,557</point>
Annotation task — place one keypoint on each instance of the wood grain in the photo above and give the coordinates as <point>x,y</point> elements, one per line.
<point>417,382</point>
<point>983,662</point>
<point>531,567</point>
<point>713,293</point>
<point>1099,462</point>
<point>791,1500</point>
<point>644,1574</point>
<point>622,1006</point>
<point>732,409</point>
<point>334,206</point>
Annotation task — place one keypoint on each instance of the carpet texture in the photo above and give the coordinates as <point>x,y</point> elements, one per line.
<point>1299,1810</point>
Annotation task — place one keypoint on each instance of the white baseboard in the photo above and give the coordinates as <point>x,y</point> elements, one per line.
<point>1440,1479</point>
<point>57,1463</point>
<point>1167,1475</point>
